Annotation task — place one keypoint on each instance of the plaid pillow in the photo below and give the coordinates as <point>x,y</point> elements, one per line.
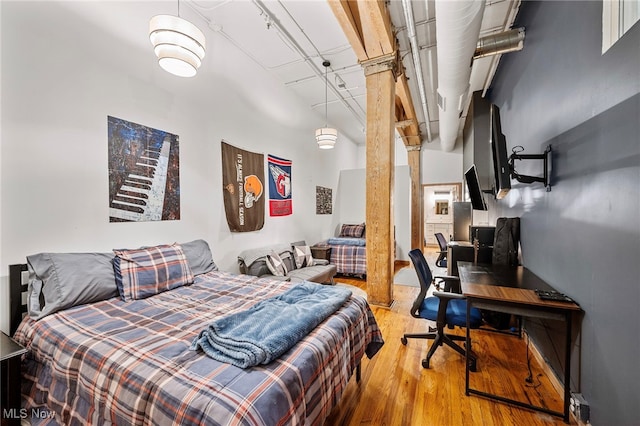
<point>276,264</point>
<point>354,231</point>
<point>151,270</point>
<point>302,256</point>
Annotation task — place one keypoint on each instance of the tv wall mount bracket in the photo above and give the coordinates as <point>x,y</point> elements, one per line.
<point>546,161</point>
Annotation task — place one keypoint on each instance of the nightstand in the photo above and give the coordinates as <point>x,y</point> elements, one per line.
<point>319,252</point>
<point>10,352</point>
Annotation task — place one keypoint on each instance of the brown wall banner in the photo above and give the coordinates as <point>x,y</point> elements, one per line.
<point>243,188</point>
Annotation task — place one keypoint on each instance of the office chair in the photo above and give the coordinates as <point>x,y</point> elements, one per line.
<point>441,262</point>
<point>448,308</point>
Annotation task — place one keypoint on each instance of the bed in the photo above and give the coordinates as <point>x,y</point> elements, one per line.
<point>133,362</point>
<point>348,250</point>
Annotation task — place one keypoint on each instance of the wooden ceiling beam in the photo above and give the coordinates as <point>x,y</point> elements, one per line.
<point>348,16</point>
<point>367,25</point>
<point>377,28</point>
<point>402,92</point>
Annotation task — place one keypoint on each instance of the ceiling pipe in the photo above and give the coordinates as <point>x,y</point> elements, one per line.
<point>505,42</point>
<point>457,32</point>
<point>287,39</point>
<point>293,44</point>
<point>415,55</point>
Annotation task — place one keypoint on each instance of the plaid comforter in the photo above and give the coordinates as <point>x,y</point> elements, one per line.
<point>349,259</point>
<point>125,363</point>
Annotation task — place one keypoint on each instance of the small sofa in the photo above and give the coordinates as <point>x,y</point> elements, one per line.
<point>254,262</point>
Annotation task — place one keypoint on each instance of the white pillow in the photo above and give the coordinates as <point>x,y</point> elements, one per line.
<point>276,264</point>
<point>302,256</point>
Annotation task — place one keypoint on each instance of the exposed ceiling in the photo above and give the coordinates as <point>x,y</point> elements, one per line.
<point>290,40</point>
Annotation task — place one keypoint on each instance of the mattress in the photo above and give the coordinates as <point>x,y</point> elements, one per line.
<point>129,362</point>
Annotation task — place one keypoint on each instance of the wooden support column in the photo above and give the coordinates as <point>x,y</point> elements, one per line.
<point>417,228</point>
<point>380,76</point>
<point>367,25</point>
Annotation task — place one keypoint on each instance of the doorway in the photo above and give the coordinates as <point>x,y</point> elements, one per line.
<point>437,210</point>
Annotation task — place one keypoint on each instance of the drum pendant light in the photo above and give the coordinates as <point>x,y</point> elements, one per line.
<point>326,136</point>
<point>178,44</point>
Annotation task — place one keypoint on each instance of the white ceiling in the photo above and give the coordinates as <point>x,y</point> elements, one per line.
<point>290,39</point>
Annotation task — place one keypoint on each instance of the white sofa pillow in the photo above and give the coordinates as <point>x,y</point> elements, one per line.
<point>276,264</point>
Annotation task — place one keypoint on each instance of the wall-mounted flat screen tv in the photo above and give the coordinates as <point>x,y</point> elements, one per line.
<point>498,143</point>
<point>473,185</point>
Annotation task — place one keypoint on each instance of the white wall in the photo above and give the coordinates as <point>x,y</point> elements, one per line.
<point>351,199</point>
<point>439,166</point>
<point>351,204</point>
<point>62,76</point>
<point>402,211</point>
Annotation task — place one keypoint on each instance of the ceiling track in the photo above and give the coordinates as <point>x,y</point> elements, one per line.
<point>307,59</point>
<point>287,39</point>
<point>347,69</point>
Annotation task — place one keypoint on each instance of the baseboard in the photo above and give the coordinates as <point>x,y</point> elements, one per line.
<point>400,264</point>
<point>546,369</point>
<point>548,372</point>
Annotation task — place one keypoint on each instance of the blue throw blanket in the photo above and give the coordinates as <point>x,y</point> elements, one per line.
<point>347,241</point>
<point>271,327</point>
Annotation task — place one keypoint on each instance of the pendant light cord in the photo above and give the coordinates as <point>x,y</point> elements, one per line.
<point>326,85</point>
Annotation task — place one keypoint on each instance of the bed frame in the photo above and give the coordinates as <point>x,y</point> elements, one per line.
<point>18,279</point>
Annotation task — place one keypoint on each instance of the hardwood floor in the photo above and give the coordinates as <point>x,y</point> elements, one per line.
<point>396,390</point>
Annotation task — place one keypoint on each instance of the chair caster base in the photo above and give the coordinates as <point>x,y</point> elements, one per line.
<point>403,340</point>
<point>425,363</point>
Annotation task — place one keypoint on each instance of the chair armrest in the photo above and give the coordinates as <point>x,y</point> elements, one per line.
<point>451,283</point>
<point>447,295</point>
<point>447,277</point>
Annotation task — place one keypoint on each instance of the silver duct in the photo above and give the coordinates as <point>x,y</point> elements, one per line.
<point>505,42</point>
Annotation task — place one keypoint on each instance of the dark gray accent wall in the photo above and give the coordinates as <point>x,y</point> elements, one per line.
<point>583,237</point>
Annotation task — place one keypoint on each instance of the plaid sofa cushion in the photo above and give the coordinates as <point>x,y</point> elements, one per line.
<point>353,231</point>
<point>141,273</point>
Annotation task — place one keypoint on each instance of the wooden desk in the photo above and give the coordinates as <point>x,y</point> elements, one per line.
<point>511,290</point>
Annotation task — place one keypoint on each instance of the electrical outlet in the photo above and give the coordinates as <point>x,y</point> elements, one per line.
<point>579,407</point>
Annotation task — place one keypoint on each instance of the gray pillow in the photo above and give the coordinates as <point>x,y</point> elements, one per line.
<point>258,268</point>
<point>289,261</point>
<point>62,280</point>
<point>199,257</point>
